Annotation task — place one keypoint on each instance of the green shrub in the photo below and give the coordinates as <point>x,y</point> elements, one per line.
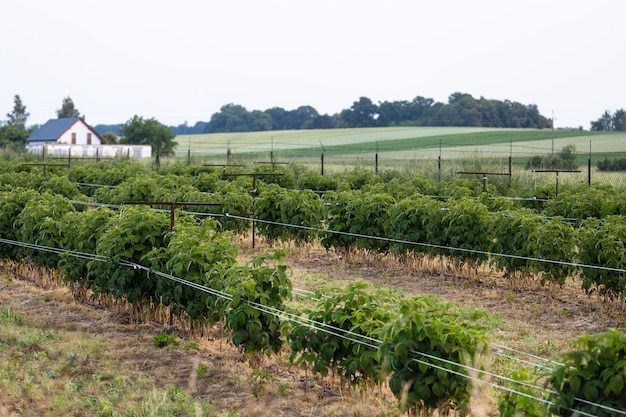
<point>593,373</point>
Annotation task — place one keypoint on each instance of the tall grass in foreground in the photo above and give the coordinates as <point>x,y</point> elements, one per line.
<point>48,372</point>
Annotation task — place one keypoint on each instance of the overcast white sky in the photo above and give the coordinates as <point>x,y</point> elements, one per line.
<point>182,60</point>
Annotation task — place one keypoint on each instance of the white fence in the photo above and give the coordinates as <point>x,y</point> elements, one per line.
<point>93,151</point>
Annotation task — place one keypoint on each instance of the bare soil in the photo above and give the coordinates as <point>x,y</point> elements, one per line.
<point>535,319</point>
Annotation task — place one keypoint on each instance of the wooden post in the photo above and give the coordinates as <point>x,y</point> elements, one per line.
<point>172,207</point>
<point>376,169</point>
<point>484,176</point>
<point>322,157</point>
<point>439,163</point>
<point>439,168</point>
<point>557,171</point>
<point>254,176</point>
<point>172,204</point>
<point>510,170</point>
<point>376,162</point>
<point>556,193</point>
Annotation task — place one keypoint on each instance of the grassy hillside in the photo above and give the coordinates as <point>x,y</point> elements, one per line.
<point>455,142</point>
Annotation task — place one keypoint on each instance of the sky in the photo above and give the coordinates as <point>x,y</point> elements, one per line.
<point>181,61</point>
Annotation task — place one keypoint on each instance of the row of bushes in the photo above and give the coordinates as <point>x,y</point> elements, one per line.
<point>198,251</point>
<point>462,230</point>
<point>420,345</point>
<point>101,249</point>
<point>541,246</point>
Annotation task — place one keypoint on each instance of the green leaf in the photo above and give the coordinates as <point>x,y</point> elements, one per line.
<point>590,390</point>
<point>616,384</point>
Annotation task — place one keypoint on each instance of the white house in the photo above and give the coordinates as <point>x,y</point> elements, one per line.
<point>72,136</point>
<point>68,131</point>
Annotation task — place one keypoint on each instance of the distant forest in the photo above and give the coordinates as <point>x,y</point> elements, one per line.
<point>461,110</point>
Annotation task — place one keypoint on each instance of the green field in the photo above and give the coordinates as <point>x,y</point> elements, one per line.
<point>400,142</point>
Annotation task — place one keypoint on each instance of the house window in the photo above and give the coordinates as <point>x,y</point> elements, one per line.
<point>88,138</point>
<point>73,138</point>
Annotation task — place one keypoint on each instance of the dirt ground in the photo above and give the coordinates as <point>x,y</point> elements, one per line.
<point>227,383</point>
<point>542,309</point>
<point>534,319</point>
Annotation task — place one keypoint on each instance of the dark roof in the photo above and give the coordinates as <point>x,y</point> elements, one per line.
<point>52,129</point>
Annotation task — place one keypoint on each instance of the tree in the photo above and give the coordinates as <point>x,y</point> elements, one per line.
<point>13,133</point>
<point>565,159</point>
<point>619,120</point>
<point>13,136</point>
<point>67,109</point>
<point>603,123</point>
<point>18,116</point>
<point>323,122</point>
<point>278,115</point>
<point>363,113</point>
<point>395,113</point>
<point>138,131</point>
<point>259,121</point>
<point>231,118</point>
<point>304,116</point>
<point>109,138</point>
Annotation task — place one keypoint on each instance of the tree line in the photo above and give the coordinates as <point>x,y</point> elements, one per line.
<point>610,122</point>
<point>461,110</point>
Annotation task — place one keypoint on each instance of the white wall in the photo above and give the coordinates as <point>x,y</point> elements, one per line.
<point>101,151</point>
<point>81,131</point>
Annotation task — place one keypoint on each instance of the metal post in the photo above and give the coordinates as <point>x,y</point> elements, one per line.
<point>172,207</point>
<point>322,157</point>
<point>439,168</point>
<point>439,163</point>
<point>376,169</point>
<point>556,194</point>
<point>510,162</point>
<point>589,165</point>
<point>253,201</point>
